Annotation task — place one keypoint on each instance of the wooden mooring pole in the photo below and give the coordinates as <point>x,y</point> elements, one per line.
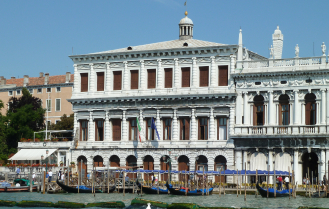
<point>245,181</point>
<point>289,181</point>
<point>220,184</point>
<point>256,192</point>
<point>44,182</point>
<point>124,183</point>
<point>274,183</point>
<point>224,182</point>
<point>237,183</point>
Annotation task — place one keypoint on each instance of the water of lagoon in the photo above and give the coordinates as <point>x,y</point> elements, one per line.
<point>229,200</point>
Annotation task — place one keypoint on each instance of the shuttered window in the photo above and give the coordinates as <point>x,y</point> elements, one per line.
<point>58,105</point>
<point>134,79</point>
<point>203,128</point>
<point>84,82</point>
<point>222,128</point>
<point>116,129</point>
<point>168,77</point>
<point>99,130</point>
<point>83,130</point>
<point>151,78</point>
<point>223,75</point>
<point>185,129</point>
<point>204,76</point>
<point>117,79</point>
<point>100,81</point>
<point>185,77</point>
<point>167,129</point>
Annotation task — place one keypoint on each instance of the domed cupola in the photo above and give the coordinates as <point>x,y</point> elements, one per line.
<point>185,28</point>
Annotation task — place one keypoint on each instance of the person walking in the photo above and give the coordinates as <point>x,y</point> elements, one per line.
<point>33,176</point>
<point>286,181</point>
<point>17,172</point>
<point>280,183</point>
<point>60,174</point>
<point>50,176</point>
<point>324,179</point>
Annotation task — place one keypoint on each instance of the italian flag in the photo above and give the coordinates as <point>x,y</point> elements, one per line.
<point>139,130</point>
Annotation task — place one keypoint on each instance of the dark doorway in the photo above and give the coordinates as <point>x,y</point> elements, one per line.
<point>148,164</point>
<point>310,166</point>
<point>98,161</point>
<point>183,165</point>
<point>220,165</point>
<point>82,166</point>
<point>131,161</point>
<point>164,165</point>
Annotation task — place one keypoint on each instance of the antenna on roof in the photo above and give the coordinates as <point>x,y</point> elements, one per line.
<point>72,50</point>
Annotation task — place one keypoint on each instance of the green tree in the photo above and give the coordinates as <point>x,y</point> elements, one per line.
<point>66,123</point>
<point>25,116</point>
<point>3,144</point>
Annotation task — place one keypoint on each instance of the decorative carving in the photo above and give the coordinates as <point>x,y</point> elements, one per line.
<point>204,59</point>
<point>99,66</point>
<point>323,47</point>
<point>266,83</point>
<point>83,67</point>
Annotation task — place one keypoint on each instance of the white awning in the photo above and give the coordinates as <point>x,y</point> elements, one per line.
<point>31,154</point>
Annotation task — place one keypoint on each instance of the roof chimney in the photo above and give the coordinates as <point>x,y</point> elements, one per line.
<point>40,74</point>
<point>68,76</point>
<point>46,78</point>
<point>3,81</point>
<point>12,77</point>
<point>26,80</point>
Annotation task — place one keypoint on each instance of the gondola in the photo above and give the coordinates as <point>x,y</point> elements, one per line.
<point>196,192</point>
<point>81,190</point>
<point>25,186</point>
<point>323,194</point>
<point>151,190</point>
<point>263,192</point>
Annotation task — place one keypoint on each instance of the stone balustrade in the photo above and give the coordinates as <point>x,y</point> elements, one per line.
<point>45,145</point>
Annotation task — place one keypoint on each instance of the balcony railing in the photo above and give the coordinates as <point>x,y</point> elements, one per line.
<point>280,130</point>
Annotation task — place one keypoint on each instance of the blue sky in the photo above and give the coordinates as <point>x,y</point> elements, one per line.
<point>38,35</point>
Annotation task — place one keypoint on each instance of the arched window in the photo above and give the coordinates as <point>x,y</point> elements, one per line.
<point>310,109</point>
<point>258,116</point>
<point>284,110</point>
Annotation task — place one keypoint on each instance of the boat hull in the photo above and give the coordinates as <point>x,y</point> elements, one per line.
<point>176,191</point>
<point>75,190</point>
<point>149,190</point>
<point>263,192</point>
<point>18,189</point>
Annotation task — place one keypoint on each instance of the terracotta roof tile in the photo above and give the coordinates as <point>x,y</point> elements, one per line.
<point>36,81</point>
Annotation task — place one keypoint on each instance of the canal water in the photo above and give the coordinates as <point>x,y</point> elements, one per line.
<point>229,200</point>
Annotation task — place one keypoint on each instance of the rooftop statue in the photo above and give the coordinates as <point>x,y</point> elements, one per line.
<point>323,47</point>
<point>246,54</point>
<point>271,52</point>
<point>297,50</point>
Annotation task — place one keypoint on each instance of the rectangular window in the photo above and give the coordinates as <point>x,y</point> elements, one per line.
<point>99,126</point>
<point>185,77</point>
<point>204,76</point>
<point>31,91</point>
<point>149,130</point>
<point>100,81</point>
<point>39,90</point>
<point>9,105</point>
<point>134,79</point>
<point>84,82</point>
<point>18,92</point>
<point>185,129</point>
<point>222,129</point>
<point>10,93</point>
<point>284,114</point>
<point>58,89</point>
<point>203,128</point>
<point>223,75</point>
<point>48,105</point>
<point>48,90</point>
<point>117,79</point>
<point>58,105</point>
<point>83,130</point>
<point>310,113</point>
<point>116,129</point>
<point>167,129</point>
<point>168,77</point>
<point>258,114</point>
<point>56,121</point>
<point>133,130</point>
<point>151,73</point>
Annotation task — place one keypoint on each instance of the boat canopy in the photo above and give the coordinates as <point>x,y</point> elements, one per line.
<point>31,154</point>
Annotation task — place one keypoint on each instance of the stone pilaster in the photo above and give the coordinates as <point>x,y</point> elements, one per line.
<point>91,127</point>
<point>141,123</point>
<point>125,76</point>
<point>193,136</point>
<point>108,81</point>
<point>298,175</point>
<point>212,125</point>
<point>213,73</point>
<point>124,127</point>
<point>296,108</point>
<point>92,78</point>
<point>246,109</point>
<point>159,75</point>
<point>232,63</point>
<point>322,164</point>
<point>231,121</point>
<point>195,73</point>
<point>143,82</point>
<point>176,74</point>
<point>175,135</point>
<point>271,109</point>
<point>158,125</point>
<point>270,163</point>
<point>107,127</point>
<point>76,82</point>
<point>323,106</point>
<point>239,110</point>
<point>76,123</point>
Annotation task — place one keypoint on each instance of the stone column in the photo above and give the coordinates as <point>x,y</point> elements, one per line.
<point>270,163</point>
<point>92,78</point>
<point>322,164</point>
<point>125,76</point>
<point>296,108</point>
<point>107,127</point>
<point>76,82</point>
<point>231,121</point>
<point>76,123</point>
<point>323,106</point>
<point>143,82</point>
<point>159,76</point>
<point>124,127</point>
<point>232,63</point>
<point>195,73</point>
<point>176,74</point>
<point>212,125</point>
<point>158,125</point>
<point>141,123</point>
<point>327,104</point>
<point>193,136</point>
<point>245,163</point>
<point>213,73</point>
<point>175,135</point>
<point>271,109</point>
<point>239,108</point>
<point>303,113</point>
<point>246,109</point>
<point>157,165</point>
<point>238,160</point>
<point>298,175</point>
<point>211,167</point>
<point>108,78</point>
<point>91,127</point>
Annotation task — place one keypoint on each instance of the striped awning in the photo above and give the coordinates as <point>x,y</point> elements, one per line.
<point>32,154</point>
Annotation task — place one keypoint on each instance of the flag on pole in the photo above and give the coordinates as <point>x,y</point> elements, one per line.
<point>138,130</point>
<point>154,127</point>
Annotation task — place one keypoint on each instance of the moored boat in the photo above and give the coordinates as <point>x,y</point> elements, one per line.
<point>82,189</point>
<point>182,191</point>
<point>151,190</point>
<point>24,186</point>
<point>263,192</point>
